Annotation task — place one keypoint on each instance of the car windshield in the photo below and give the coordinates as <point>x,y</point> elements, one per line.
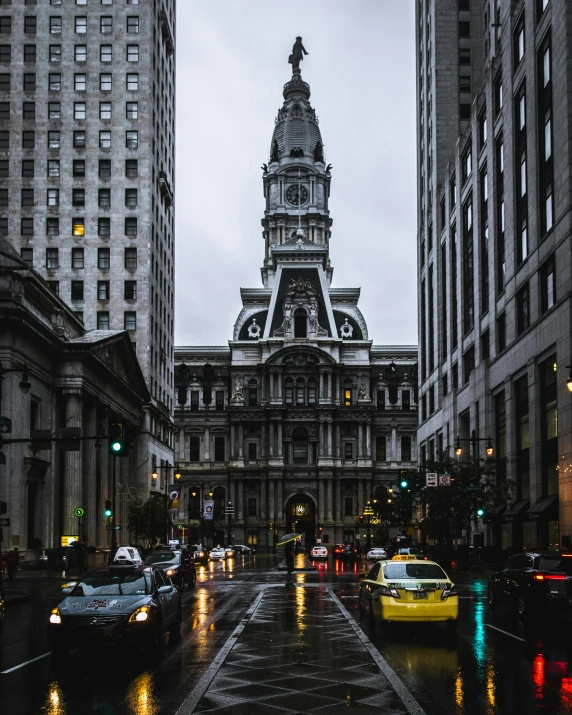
<point>403,570</point>
<point>162,556</point>
<point>135,583</point>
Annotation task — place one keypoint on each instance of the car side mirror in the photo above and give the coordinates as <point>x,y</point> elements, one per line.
<point>67,590</point>
<point>164,589</point>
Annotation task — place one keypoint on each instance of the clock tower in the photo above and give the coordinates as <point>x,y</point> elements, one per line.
<point>296,179</point>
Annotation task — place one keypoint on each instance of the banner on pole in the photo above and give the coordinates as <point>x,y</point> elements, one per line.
<point>208,508</point>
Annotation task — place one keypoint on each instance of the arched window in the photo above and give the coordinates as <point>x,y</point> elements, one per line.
<point>300,446</point>
<point>300,391</point>
<point>347,396</point>
<point>300,324</point>
<point>252,392</point>
<point>289,391</point>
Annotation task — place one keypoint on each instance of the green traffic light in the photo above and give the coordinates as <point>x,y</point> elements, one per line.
<point>480,512</point>
<point>107,512</point>
<point>116,446</point>
<point>404,484</point>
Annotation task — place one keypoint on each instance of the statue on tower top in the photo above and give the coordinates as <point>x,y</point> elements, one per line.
<point>298,52</point>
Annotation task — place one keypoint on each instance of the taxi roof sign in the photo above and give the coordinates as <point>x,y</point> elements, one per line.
<point>405,557</point>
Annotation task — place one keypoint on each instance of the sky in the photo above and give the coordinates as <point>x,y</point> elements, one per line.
<point>232,62</point>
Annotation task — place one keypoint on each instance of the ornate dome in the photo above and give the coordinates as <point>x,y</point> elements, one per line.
<point>296,134</point>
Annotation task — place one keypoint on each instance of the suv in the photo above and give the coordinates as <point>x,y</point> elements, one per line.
<point>176,564</point>
<point>345,551</point>
<point>200,553</point>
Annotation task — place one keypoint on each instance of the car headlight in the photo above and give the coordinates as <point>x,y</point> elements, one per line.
<point>171,572</point>
<point>55,616</point>
<point>201,553</point>
<point>140,615</point>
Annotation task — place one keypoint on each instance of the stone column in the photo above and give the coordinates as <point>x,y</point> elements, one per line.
<point>263,511</point>
<point>279,449</point>
<point>279,501</point>
<point>329,499</point>
<point>360,441</point>
<point>322,392</point>
<point>207,438</point>
<point>240,499</point>
<point>73,475</point>
<point>232,442</point>
<point>329,429</point>
<point>240,441</point>
<point>89,521</point>
<point>271,500</point>
<point>368,441</point>
<point>338,442</point>
<point>271,439</point>
<point>263,442</point>
<point>393,455</point>
<point>321,497</point>
<point>338,505</point>
<point>280,387</point>
<point>360,496</point>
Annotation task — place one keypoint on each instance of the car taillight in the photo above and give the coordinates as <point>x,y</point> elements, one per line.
<point>384,591</point>
<point>549,577</point>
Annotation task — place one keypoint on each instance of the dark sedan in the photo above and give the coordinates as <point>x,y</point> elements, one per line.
<point>536,583</point>
<point>177,565</point>
<point>116,604</point>
<point>346,552</point>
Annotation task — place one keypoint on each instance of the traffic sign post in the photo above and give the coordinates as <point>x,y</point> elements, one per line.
<point>113,527</point>
<point>444,480</point>
<point>431,479</point>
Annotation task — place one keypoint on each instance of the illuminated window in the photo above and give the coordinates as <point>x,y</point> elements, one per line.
<point>78,227</point>
<point>347,396</point>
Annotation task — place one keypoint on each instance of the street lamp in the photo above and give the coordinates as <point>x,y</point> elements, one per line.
<point>368,511</point>
<point>569,380</point>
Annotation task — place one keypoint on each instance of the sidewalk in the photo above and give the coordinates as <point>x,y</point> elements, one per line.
<point>298,653</point>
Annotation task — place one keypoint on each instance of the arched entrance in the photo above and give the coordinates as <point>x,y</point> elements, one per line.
<point>301,517</point>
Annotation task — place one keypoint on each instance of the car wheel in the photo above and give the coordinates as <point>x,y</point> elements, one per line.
<point>371,616</point>
<point>152,645</point>
<point>491,600</point>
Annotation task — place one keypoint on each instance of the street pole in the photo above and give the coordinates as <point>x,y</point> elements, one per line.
<point>114,532</point>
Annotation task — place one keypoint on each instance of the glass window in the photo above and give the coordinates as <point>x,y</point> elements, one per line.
<point>130,293</point>
<point>546,66</point>
<point>77,258</point>
<point>130,258</point>
<point>131,226</point>
<point>78,197</point>
<point>131,198</point>
<point>29,139</point>
<point>55,25</point>
<point>54,286</point>
<point>132,110</point>
<point>53,168</point>
<point>105,168</point>
<point>5,84</point>
<point>105,140</point>
<point>80,53</point>
<point>6,53</point>
<point>105,82</point>
<point>78,167</point>
<point>131,168</point>
<point>103,258</point>
<point>132,82</point>
<point>30,24</point>
<point>102,290</point>
<point>78,226</point>
<point>106,53</point>
<point>52,226</point>
<point>27,227</point>
<point>79,139</point>
<point>103,320</point>
<point>547,285</point>
<point>132,53</point>
<point>81,25</point>
<point>29,110</point>
<point>105,110</point>
<point>133,24</point>
<point>104,227</point>
<point>104,198</point>
<point>548,208</point>
<point>106,25</point>
<point>132,139</point>
<point>27,255</point>
<point>53,197</point>
<point>77,290</point>
<point>79,82</point>
<point>54,82</point>
<point>547,139</point>
<point>79,109</point>
<point>130,320</point>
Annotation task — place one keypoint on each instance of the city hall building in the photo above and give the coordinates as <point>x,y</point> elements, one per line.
<point>300,420</point>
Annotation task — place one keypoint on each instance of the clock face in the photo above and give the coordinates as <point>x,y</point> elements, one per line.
<point>300,509</point>
<point>297,195</point>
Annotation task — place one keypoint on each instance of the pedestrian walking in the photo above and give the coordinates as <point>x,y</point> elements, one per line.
<point>12,559</point>
<point>289,562</point>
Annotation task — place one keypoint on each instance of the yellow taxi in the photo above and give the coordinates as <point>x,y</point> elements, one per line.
<point>408,589</point>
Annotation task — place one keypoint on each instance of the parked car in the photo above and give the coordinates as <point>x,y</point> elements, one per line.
<point>200,554</point>
<point>117,604</point>
<point>376,554</point>
<point>217,554</point>
<point>412,551</point>
<point>345,551</point>
<point>409,591</point>
<point>230,552</point>
<point>536,583</point>
<point>319,552</point>
<point>177,565</point>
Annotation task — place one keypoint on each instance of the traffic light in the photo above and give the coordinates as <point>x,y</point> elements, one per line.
<point>480,512</point>
<point>116,438</point>
<point>108,510</point>
<point>404,483</point>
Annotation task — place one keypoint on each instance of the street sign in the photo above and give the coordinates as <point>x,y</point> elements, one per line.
<point>79,512</point>
<point>5,424</point>
<point>431,479</point>
<point>4,522</point>
<point>112,527</point>
<point>445,480</point>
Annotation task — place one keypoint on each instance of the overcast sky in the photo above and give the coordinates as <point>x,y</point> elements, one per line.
<point>232,62</point>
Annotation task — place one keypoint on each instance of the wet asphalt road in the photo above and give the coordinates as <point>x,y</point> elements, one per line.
<point>482,671</point>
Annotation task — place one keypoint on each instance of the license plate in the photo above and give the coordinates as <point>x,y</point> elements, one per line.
<point>419,595</point>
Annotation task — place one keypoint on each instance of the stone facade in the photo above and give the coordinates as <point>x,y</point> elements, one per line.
<point>78,378</point>
<point>494,250</point>
<point>87,174</point>
<point>300,420</point>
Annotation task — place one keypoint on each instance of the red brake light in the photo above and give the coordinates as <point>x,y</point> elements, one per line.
<point>549,577</point>
<point>539,577</point>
